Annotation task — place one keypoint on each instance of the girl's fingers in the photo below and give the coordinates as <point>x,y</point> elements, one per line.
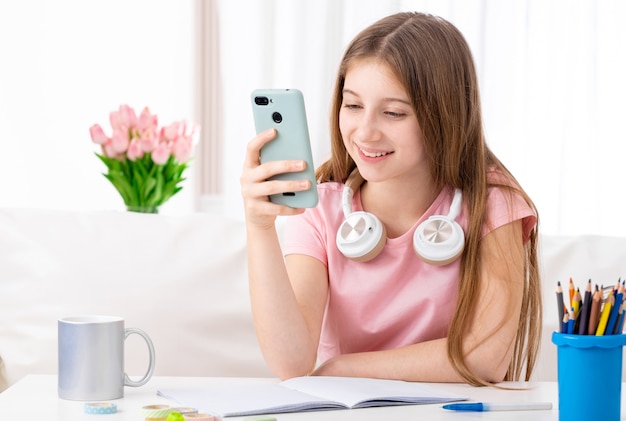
<point>269,169</point>
<point>256,185</point>
<point>253,150</point>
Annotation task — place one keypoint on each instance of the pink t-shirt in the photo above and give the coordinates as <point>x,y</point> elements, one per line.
<point>395,299</point>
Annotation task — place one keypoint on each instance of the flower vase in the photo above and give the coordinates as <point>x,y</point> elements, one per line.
<point>142,209</point>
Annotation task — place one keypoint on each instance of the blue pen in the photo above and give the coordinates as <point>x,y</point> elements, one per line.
<point>498,406</point>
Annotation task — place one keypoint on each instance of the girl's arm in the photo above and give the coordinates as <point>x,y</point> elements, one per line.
<point>287,326</point>
<point>287,317</point>
<point>489,342</point>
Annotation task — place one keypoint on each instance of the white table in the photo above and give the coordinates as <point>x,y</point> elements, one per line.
<point>35,398</point>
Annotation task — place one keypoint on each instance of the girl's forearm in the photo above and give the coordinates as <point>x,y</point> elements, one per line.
<point>424,362</point>
<point>282,332</point>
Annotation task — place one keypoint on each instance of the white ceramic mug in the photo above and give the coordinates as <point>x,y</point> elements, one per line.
<point>91,358</point>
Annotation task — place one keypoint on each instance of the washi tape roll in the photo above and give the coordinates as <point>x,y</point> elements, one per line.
<point>155,412</point>
<point>100,408</point>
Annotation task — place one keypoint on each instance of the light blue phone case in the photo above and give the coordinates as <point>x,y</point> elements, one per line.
<point>283,109</point>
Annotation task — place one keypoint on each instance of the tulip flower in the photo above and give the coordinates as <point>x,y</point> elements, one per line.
<point>182,149</point>
<point>147,121</point>
<point>134,150</point>
<point>97,134</point>
<point>120,140</point>
<point>149,140</point>
<point>161,154</point>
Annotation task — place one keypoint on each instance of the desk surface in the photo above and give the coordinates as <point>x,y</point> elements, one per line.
<point>35,397</point>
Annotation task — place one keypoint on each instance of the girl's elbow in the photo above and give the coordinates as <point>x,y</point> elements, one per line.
<point>288,371</point>
<point>288,374</point>
<point>493,374</point>
<point>491,366</point>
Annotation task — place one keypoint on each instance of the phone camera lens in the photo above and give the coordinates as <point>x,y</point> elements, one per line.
<point>261,100</point>
<point>277,117</point>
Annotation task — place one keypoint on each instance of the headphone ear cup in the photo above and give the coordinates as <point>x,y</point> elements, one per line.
<point>439,240</point>
<point>361,236</point>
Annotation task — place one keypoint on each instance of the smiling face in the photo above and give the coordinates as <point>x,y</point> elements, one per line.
<point>378,124</point>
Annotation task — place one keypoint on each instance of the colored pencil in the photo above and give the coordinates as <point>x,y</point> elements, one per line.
<point>604,316</point>
<point>576,306</point>
<point>610,326</point>
<point>594,314</point>
<point>560,305</point>
<point>620,325</point>
<point>571,322</point>
<point>576,302</point>
<point>585,311</point>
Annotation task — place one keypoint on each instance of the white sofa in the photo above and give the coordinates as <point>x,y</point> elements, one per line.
<point>182,279</point>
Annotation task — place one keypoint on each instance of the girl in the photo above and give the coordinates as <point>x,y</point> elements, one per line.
<point>407,145</point>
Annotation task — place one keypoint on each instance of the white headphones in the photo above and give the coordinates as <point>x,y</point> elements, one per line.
<point>361,236</point>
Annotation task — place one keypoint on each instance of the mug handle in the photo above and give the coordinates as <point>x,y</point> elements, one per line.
<point>148,375</point>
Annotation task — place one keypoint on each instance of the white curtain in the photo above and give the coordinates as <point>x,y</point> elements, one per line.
<point>551,76</point>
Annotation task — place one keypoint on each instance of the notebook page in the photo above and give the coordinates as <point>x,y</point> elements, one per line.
<point>360,392</point>
<point>246,399</point>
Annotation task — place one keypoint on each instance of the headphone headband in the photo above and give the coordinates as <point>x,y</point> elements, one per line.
<point>352,184</point>
<point>455,206</point>
<point>439,240</point>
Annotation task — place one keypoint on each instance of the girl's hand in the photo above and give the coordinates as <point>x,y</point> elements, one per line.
<point>256,188</point>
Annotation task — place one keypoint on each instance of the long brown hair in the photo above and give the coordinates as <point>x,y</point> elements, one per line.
<point>432,60</point>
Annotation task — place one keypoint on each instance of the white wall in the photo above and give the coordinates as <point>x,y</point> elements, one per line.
<point>64,65</point>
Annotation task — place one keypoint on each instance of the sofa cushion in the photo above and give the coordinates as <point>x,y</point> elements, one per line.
<point>181,279</point>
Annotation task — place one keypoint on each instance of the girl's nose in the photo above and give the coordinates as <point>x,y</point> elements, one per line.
<point>368,129</point>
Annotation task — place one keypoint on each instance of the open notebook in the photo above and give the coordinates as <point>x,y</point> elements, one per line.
<point>306,394</point>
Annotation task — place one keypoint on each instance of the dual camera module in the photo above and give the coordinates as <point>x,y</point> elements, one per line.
<point>263,100</point>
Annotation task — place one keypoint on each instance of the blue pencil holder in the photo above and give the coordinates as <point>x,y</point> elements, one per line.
<point>589,376</point>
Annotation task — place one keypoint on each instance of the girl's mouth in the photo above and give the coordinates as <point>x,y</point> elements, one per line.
<point>373,154</point>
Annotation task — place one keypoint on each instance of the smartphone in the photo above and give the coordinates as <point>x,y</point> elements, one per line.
<point>283,109</point>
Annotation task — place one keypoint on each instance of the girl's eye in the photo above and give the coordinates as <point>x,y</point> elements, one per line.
<point>395,114</point>
<point>352,106</point>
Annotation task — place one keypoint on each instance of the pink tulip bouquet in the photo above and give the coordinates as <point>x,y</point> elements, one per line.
<point>145,163</point>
